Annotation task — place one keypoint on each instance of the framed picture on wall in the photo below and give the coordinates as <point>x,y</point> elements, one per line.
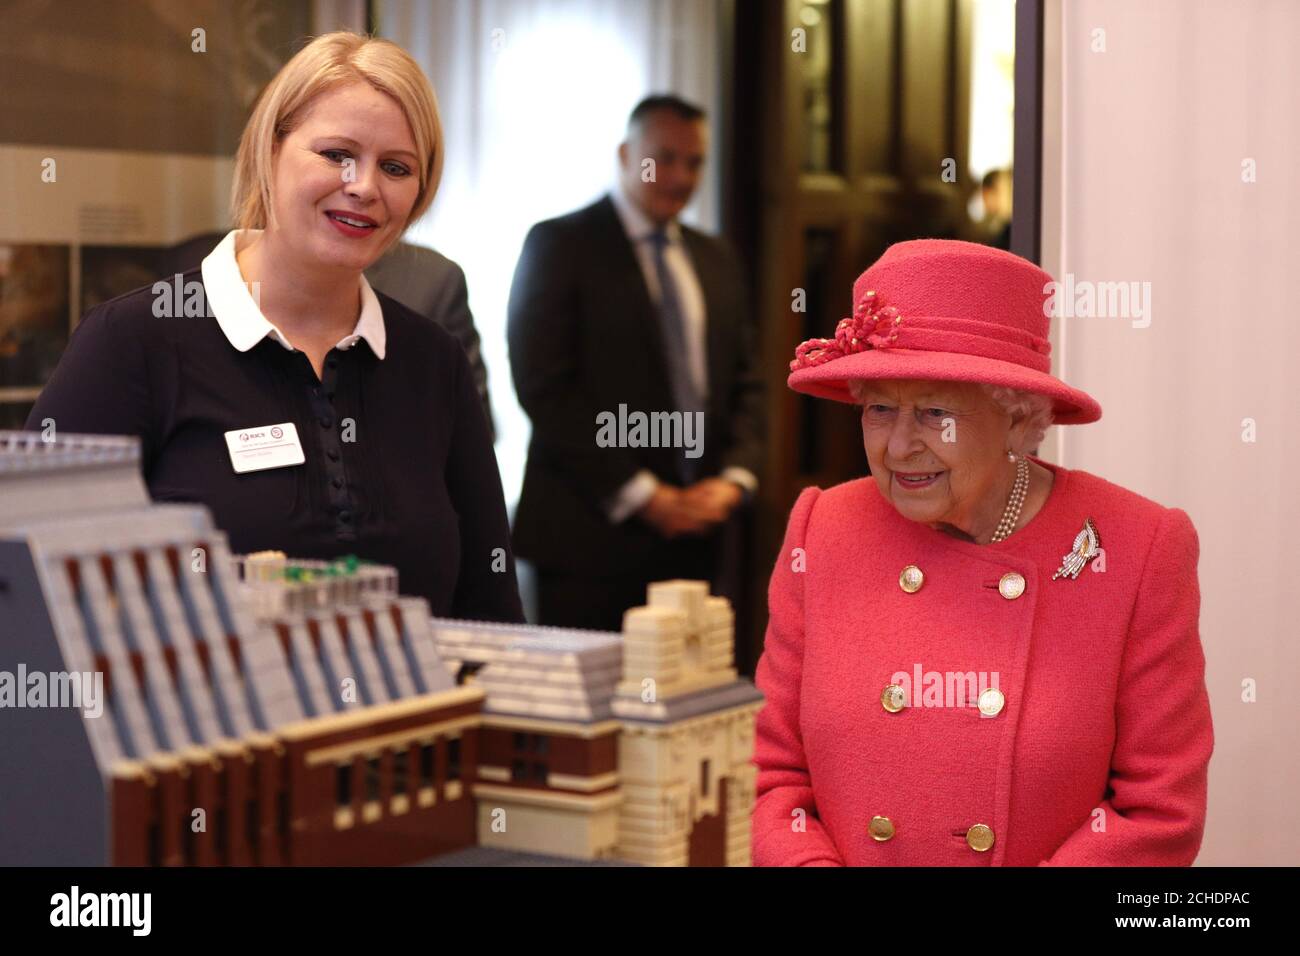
<point>117,140</point>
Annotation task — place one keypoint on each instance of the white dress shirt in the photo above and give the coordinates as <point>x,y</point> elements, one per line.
<point>639,228</point>
<point>240,317</point>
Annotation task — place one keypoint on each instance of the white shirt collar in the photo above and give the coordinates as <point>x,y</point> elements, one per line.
<point>242,321</point>
<point>636,223</point>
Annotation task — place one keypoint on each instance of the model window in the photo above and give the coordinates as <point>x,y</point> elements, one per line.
<point>426,765</point>
<point>343,780</point>
<point>400,760</point>
<point>453,758</point>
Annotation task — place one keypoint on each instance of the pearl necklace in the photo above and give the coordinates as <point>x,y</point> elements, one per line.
<point>1015,502</point>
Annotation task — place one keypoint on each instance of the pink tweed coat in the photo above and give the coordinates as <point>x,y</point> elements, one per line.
<point>1099,752</point>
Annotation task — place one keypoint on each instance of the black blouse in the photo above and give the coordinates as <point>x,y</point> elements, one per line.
<point>399,463</point>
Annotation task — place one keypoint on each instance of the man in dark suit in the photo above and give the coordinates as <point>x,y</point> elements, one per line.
<point>616,311</point>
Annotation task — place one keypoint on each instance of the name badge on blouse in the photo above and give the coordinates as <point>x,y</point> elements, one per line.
<point>267,446</point>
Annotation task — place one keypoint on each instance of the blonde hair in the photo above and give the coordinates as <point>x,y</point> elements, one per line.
<point>328,61</point>
<point>1014,402</point>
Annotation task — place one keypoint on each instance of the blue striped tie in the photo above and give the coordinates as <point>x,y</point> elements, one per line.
<point>671,321</point>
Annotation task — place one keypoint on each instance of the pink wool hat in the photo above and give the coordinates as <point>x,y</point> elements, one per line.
<point>945,310</point>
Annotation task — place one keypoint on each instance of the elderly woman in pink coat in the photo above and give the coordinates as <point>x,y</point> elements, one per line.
<point>974,657</point>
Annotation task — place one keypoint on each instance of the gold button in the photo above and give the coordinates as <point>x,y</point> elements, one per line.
<point>893,698</point>
<point>911,579</point>
<point>979,837</point>
<point>881,829</point>
<point>991,702</point>
<point>1011,586</point>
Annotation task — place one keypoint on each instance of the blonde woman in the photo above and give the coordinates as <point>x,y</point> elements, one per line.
<point>273,385</point>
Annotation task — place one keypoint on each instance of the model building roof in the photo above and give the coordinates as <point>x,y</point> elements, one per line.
<point>67,475</point>
<point>553,673</point>
<point>337,621</point>
<point>147,597</point>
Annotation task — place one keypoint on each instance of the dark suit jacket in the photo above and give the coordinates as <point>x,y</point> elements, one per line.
<point>584,338</point>
<point>433,285</point>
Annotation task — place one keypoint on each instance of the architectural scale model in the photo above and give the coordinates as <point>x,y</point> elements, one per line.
<point>265,710</point>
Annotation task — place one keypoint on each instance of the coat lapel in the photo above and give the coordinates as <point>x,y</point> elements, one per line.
<point>625,276</point>
<point>715,327</point>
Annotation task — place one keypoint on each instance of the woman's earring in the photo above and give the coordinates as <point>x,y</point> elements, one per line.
<point>1011,457</point>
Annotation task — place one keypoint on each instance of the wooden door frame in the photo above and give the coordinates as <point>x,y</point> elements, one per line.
<point>1027,184</point>
<point>755,178</point>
